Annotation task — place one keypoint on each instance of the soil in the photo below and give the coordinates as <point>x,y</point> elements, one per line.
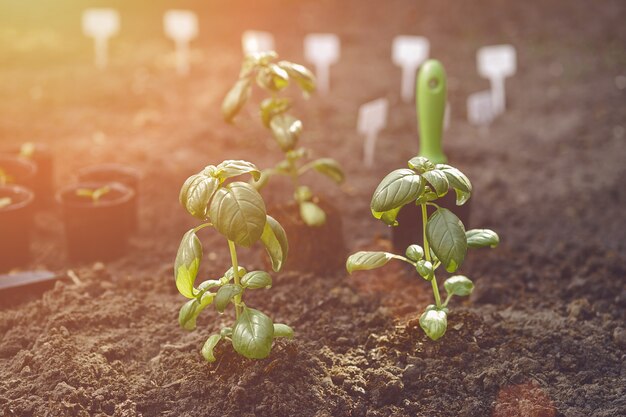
<point>319,249</point>
<point>544,333</point>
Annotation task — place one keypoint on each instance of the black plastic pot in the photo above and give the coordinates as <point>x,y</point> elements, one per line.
<point>410,228</point>
<point>96,231</point>
<point>16,223</point>
<point>43,182</point>
<point>122,174</point>
<point>20,171</point>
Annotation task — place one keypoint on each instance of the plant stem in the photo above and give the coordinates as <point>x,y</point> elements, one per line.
<point>433,282</point>
<point>233,257</point>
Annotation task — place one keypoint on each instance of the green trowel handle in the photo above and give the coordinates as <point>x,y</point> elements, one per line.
<point>431,106</point>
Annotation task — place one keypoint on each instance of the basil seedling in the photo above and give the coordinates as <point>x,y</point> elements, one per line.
<point>273,77</point>
<point>94,194</point>
<point>5,178</point>
<point>237,211</point>
<point>445,239</point>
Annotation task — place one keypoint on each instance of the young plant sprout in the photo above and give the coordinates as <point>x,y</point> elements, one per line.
<point>5,202</point>
<point>274,76</point>
<point>94,194</point>
<point>5,178</point>
<point>27,150</point>
<point>445,239</point>
<point>237,211</point>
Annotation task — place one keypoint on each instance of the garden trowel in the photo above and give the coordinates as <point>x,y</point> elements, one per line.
<point>431,104</point>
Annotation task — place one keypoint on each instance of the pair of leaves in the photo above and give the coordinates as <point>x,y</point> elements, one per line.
<point>252,280</point>
<point>434,321</point>
<point>252,335</point>
<point>286,130</point>
<point>198,189</point>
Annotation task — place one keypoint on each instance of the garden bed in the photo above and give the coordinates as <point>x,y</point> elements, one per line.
<point>543,334</point>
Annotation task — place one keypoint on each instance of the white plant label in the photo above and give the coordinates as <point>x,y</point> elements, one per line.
<point>101,24</point>
<point>323,50</point>
<point>372,119</point>
<point>409,52</point>
<point>480,108</point>
<point>182,27</point>
<point>497,63</point>
<point>254,41</point>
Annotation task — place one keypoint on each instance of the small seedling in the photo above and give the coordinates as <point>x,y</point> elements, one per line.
<point>94,194</point>
<point>5,178</point>
<point>274,76</point>
<point>5,202</point>
<point>237,211</point>
<point>27,150</point>
<point>445,239</point>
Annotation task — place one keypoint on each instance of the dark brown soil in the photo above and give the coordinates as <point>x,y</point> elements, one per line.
<point>321,249</point>
<point>542,335</point>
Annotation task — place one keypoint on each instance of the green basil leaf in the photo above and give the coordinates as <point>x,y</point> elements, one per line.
<point>256,279</point>
<point>282,330</point>
<point>312,214</point>
<point>229,275</point>
<point>421,164</point>
<point>238,212</point>
<point>271,107</point>
<point>481,238</point>
<point>438,180</point>
<point>209,345</point>
<point>233,168</point>
<point>253,334</point>
<point>225,294</point>
<point>388,217</point>
<point>272,78</point>
<point>303,76</point>
<point>434,322</point>
<point>286,130</point>
<point>236,98</point>
<point>398,188</point>
<point>196,193</point>
<point>366,260</point>
<point>461,184</point>
<point>330,168</point>
<point>187,263</point>
<point>274,239</point>
<point>446,236</point>
<point>459,285</point>
<point>302,193</point>
<point>414,252</point>
<point>191,309</point>
<point>425,269</point>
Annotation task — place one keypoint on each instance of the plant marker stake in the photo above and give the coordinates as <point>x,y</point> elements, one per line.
<point>372,119</point>
<point>480,110</point>
<point>323,50</point>
<point>181,26</point>
<point>496,63</point>
<point>409,52</point>
<point>254,41</point>
<point>101,24</point>
<point>431,105</point>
